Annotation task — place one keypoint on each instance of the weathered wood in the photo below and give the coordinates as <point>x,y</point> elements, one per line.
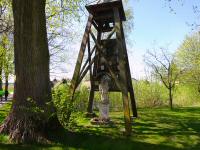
<point>97,43</point>
<point>80,56</point>
<point>111,71</point>
<point>85,72</point>
<point>86,62</point>
<point>107,7</point>
<point>92,91</point>
<point>91,96</point>
<point>111,34</point>
<point>95,25</point>
<point>128,72</point>
<point>122,75</point>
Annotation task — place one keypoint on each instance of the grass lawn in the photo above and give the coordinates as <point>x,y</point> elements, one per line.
<point>155,129</point>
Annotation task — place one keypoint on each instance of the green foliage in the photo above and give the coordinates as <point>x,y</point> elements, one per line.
<point>189,60</point>
<point>61,99</point>
<point>147,94</point>
<point>150,94</point>
<point>115,103</point>
<point>6,54</point>
<point>2,93</point>
<point>61,17</point>
<point>186,95</point>
<point>81,99</point>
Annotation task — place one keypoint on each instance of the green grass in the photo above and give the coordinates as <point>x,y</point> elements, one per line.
<point>155,129</point>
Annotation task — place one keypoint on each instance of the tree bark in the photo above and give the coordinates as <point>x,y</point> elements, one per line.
<point>1,82</point>
<point>6,84</point>
<point>32,85</point>
<point>170,98</point>
<point>6,87</point>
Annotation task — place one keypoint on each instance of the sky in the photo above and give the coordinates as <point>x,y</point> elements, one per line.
<point>154,26</point>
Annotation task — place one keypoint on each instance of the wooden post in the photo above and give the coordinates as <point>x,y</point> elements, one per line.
<point>122,75</point>
<point>130,85</point>
<point>91,96</point>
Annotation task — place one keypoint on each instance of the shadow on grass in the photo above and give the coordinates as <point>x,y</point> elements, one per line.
<point>92,141</point>
<point>66,140</point>
<point>178,121</point>
<point>156,129</point>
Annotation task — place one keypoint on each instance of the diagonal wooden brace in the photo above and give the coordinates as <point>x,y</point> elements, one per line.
<point>80,56</point>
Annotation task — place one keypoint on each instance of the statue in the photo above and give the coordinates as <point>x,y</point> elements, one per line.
<point>104,103</point>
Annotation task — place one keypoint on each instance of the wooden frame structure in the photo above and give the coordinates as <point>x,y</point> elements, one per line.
<point>107,18</point>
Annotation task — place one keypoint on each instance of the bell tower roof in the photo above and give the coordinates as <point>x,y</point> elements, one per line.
<point>102,10</point>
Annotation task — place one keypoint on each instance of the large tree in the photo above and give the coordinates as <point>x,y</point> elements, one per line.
<point>27,119</point>
<point>164,67</point>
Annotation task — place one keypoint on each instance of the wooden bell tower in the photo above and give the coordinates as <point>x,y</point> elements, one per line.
<point>106,18</point>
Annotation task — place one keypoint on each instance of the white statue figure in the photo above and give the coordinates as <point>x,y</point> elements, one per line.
<point>104,103</point>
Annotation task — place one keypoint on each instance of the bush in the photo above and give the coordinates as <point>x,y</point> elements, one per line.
<point>150,94</point>
<point>147,94</point>
<point>61,98</point>
<point>186,95</point>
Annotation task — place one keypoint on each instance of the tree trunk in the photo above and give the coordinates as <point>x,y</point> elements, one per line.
<point>6,87</point>
<point>6,83</point>
<point>32,89</point>
<point>170,98</point>
<point>1,83</point>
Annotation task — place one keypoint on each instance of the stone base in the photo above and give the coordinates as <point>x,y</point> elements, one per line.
<point>104,111</point>
<point>99,121</point>
<point>90,115</point>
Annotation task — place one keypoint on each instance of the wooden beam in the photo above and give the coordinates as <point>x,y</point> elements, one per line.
<point>111,34</point>
<point>97,43</point>
<point>92,91</point>
<point>130,85</point>
<point>91,96</point>
<point>80,56</point>
<point>95,25</point>
<point>85,71</point>
<point>100,51</point>
<point>122,73</point>
<point>86,62</point>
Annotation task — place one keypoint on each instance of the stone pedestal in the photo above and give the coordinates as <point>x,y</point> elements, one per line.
<point>104,103</point>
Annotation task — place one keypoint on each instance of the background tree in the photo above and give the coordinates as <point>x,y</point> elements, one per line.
<point>164,67</point>
<point>61,18</point>
<point>8,58</point>
<point>5,16</point>
<point>188,56</point>
<point>6,27</point>
<point>2,51</point>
